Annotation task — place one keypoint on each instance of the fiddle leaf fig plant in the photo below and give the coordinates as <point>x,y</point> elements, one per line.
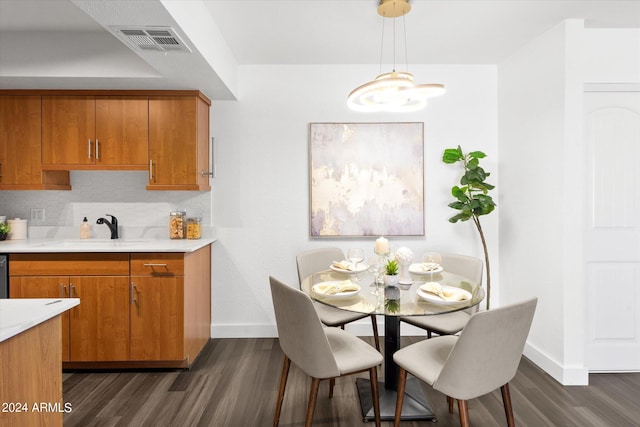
<point>472,198</point>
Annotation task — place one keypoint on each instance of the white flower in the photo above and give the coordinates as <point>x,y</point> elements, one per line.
<point>404,255</point>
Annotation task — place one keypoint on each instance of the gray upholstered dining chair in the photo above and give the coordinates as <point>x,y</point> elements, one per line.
<point>320,352</point>
<point>484,357</point>
<point>315,260</point>
<point>451,323</point>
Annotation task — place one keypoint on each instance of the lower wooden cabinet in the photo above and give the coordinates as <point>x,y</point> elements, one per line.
<point>157,313</point>
<point>154,311</point>
<point>44,287</point>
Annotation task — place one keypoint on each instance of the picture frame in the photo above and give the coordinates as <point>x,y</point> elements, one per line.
<point>366,179</point>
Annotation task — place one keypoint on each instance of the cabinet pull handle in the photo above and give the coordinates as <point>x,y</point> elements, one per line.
<point>63,290</point>
<point>71,290</point>
<point>151,179</point>
<point>155,265</point>
<point>97,149</point>
<point>133,293</point>
<point>89,148</point>
<point>212,172</point>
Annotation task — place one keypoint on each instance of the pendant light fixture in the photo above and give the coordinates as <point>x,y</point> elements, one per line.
<point>394,91</point>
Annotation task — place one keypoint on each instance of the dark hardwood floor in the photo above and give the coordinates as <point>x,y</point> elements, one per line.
<point>234,382</point>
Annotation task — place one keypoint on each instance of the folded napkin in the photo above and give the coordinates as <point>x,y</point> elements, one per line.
<point>429,266</point>
<point>343,265</point>
<point>448,294</point>
<point>332,288</point>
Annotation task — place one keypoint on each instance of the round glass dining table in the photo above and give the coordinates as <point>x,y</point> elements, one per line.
<point>394,303</point>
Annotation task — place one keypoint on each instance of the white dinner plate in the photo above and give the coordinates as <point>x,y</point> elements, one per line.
<point>361,268</point>
<point>338,295</point>
<point>418,268</point>
<point>435,299</point>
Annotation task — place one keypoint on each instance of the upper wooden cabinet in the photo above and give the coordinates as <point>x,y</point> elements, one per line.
<point>94,132</point>
<point>46,133</point>
<point>20,139</point>
<point>179,143</point>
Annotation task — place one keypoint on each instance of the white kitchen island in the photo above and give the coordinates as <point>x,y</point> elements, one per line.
<point>31,361</point>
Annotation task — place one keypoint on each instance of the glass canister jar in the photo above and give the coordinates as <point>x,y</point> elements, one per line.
<point>177,225</point>
<point>194,228</point>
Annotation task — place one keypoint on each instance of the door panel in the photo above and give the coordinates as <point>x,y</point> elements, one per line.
<point>45,287</point>
<point>157,313</point>
<point>100,324</point>
<point>612,238</point>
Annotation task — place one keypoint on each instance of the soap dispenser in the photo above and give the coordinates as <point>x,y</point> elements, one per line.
<point>85,229</point>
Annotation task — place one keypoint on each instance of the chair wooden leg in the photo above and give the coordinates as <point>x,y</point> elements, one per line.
<point>463,408</point>
<point>332,383</point>
<point>402,382</point>
<point>508,408</point>
<point>311,405</point>
<point>450,401</point>
<point>374,325</point>
<point>375,394</point>
<point>283,383</point>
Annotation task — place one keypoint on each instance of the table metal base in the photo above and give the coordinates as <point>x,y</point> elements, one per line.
<point>415,405</point>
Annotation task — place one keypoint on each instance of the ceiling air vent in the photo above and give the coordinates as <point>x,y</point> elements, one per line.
<point>160,39</point>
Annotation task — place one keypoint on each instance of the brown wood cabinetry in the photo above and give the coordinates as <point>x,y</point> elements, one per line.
<point>46,133</point>
<point>136,310</point>
<point>20,142</point>
<point>94,132</point>
<point>179,143</point>
<point>171,314</point>
<point>96,330</point>
<point>44,287</point>
<point>30,365</point>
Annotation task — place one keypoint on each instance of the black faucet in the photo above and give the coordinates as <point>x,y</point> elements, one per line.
<point>113,225</point>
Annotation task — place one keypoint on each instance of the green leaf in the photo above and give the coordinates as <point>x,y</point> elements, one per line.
<point>452,155</point>
<point>477,155</point>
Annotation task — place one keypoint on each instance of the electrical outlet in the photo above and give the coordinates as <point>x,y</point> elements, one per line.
<point>37,214</point>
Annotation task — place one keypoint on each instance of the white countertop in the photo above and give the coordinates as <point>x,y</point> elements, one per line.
<point>50,245</point>
<point>21,314</point>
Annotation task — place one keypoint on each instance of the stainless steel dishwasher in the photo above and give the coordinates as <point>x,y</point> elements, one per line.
<point>4,276</point>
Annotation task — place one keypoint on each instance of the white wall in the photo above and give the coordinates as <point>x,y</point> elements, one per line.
<point>612,55</point>
<point>542,194</point>
<point>261,192</point>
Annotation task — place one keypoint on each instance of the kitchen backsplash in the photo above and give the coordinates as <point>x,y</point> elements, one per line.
<point>96,193</point>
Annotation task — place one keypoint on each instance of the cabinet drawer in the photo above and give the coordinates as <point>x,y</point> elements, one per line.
<point>164,264</point>
<point>84,264</point>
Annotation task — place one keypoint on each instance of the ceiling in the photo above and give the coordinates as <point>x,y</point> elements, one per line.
<point>71,43</point>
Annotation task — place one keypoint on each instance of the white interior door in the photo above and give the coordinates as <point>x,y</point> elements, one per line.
<point>612,237</point>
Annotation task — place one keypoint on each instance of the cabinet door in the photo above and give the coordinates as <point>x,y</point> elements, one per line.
<point>122,131</point>
<point>45,287</point>
<point>20,140</point>
<point>68,130</point>
<point>157,312</point>
<point>178,143</point>
<point>100,324</point>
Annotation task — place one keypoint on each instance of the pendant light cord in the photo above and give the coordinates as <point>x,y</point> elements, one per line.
<point>394,45</point>
<point>381,46</point>
<point>406,55</point>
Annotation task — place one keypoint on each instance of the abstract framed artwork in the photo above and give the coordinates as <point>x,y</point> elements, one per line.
<point>366,179</point>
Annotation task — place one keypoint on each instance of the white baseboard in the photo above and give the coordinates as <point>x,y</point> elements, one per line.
<point>565,375</point>
<point>244,331</point>
<point>361,328</point>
